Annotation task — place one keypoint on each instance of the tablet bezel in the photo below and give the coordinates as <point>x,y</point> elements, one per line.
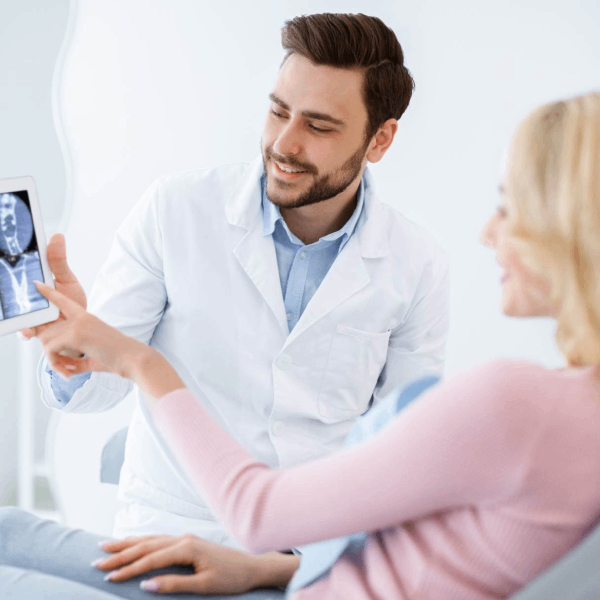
<point>44,315</point>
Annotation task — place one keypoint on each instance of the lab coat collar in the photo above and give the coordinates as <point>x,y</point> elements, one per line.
<point>244,207</point>
<point>256,253</point>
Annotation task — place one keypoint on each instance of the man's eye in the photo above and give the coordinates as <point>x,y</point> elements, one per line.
<point>319,129</point>
<point>274,112</point>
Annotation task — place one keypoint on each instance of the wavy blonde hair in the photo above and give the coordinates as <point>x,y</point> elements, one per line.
<point>553,183</point>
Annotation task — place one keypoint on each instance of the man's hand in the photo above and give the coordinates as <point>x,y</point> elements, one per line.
<point>217,569</point>
<point>79,342</point>
<point>64,281</point>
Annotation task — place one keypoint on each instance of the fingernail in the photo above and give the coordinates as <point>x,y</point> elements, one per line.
<point>110,576</point>
<point>96,562</point>
<point>22,337</point>
<point>148,585</point>
<point>36,281</point>
<point>101,544</point>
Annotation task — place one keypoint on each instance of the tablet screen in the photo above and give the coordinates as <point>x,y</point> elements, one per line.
<point>19,258</point>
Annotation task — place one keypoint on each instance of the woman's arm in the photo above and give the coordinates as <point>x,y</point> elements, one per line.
<point>449,449</point>
<point>446,450</point>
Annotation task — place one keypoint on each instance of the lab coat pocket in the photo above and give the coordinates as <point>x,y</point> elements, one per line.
<point>356,358</point>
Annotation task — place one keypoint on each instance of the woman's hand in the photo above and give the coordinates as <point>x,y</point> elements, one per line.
<point>102,348</point>
<point>77,332</point>
<point>217,569</point>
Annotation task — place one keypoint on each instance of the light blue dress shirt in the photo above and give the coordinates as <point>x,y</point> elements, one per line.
<point>302,268</point>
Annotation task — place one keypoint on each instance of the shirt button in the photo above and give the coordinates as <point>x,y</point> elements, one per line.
<point>284,362</point>
<point>277,428</point>
<point>302,255</point>
<point>289,316</point>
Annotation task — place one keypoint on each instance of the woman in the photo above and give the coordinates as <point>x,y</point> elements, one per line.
<point>473,490</point>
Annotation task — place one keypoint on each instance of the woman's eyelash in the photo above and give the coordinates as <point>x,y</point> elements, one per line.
<point>310,125</point>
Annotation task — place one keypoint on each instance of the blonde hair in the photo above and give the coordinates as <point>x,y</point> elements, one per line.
<point>553,183</point>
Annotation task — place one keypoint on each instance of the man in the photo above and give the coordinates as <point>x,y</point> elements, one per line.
<point>283,288</point>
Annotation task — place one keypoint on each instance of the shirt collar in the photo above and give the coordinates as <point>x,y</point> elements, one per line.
<point>272,214</point>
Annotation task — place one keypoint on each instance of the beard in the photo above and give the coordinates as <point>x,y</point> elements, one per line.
<point>323,188</point>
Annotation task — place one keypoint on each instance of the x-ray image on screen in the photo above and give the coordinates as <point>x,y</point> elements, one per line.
<point>19,258</point>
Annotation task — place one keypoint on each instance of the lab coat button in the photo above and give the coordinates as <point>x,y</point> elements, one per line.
<point>277,428</point>
<point>284,362</point>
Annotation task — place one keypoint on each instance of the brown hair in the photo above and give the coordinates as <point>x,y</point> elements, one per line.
<point>358,41</point>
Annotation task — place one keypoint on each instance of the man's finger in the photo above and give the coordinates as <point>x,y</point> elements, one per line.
<point>74,366</point>
<point>66,306</point>
<point>45,334</point>
<point>31,332</point>
<point>61,328</point>
<point>56,252</point>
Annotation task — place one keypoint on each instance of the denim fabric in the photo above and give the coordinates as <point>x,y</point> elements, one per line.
<point>42,559</point>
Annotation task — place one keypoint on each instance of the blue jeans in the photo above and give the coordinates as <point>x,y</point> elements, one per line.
<point>42,559</point>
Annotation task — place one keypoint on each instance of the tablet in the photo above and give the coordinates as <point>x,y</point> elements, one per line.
<point>22,258</point>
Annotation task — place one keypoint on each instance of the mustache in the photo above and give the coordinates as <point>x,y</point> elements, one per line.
<point>290,162</point>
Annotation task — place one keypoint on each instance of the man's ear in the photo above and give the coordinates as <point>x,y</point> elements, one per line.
<point>382,140</point>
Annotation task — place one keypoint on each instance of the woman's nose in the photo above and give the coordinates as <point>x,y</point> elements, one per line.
<point>488,233</point>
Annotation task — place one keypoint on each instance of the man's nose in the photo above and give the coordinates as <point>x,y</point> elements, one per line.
<point>289,140</point>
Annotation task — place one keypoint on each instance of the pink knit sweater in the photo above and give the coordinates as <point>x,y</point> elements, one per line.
<point>475,488</point>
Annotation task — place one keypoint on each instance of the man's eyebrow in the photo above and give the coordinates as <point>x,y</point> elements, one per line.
<point>311,114</point>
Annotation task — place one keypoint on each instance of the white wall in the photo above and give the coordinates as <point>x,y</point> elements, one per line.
<point>31,32</point>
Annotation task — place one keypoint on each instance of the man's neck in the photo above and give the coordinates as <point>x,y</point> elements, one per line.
<point>310,223</point>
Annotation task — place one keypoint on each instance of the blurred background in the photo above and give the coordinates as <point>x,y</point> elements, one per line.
<point>98,99</point>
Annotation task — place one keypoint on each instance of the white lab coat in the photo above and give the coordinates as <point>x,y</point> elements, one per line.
<point>191,273</point>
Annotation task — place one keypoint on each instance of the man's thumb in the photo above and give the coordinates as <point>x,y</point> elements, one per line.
<point>57,259</point>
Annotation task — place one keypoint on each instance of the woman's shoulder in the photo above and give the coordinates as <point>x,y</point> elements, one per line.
<point>524,387</point>
<point>505,374</point>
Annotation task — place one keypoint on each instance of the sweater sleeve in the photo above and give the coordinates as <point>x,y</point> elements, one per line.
<point>464,442</point>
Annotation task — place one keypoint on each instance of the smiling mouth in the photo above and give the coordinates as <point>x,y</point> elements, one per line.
<point>288,170</point>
